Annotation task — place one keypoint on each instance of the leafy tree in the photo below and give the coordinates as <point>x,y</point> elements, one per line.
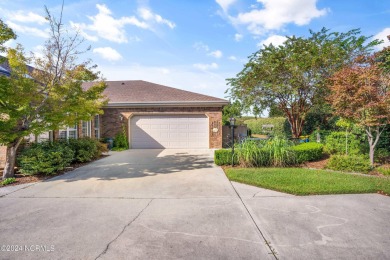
<point>232,110</point>
<point>51,96</point>
<point>6,34</point>
<point>361,94</point>
<point>294,75</point>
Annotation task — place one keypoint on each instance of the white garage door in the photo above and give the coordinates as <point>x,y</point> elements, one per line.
<point>169,131</point>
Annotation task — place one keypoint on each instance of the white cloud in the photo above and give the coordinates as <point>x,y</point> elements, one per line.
<point>200,46</point>
<point>108,53</point>
<point>148,15</point>
<point>107,27</point>
<point>276,40</point>
<point>112,29</point>
<point>275,14</point>
<point>24,17</point>
<point>164,70</point>
<point>238,37</point>
<point>28,30</point>
<point>216,54</point>
<point>225,4</point>
<point>232,58</point>
<point>382,35</point>
<point>202,66</point>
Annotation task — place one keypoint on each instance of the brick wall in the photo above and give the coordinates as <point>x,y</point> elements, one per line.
<point>114,118</point>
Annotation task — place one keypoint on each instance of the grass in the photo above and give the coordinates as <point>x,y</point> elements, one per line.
<point>301,181</point>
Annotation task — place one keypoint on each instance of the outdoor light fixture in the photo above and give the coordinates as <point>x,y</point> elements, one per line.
<point>121,117</point>
<point>232,123</point>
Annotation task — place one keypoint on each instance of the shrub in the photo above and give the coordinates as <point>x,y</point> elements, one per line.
<point>308,152</point>
<point>8,181</point>
<point>384,169</point>
<point>350,163</point>
<point>85,149</point>
<point>120,141</point>
<point>382,155</point>
<point>224,157</point>
<point>335,144</point>
<point>281,126</point>
<point>45,158</point>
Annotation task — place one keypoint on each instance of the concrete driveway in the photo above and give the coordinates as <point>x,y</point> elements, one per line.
<point>170,204</point>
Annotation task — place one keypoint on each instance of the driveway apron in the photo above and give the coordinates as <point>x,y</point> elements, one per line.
<point>136,204</point>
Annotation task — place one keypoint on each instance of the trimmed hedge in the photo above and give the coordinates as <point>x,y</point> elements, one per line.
<point>308,152</point>
<point>281,126</point>
<point>45,158</point>
<point>349,163</point>
<point>224,157</point>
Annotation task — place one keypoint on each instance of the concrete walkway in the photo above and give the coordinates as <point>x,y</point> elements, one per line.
<point>171,204</point>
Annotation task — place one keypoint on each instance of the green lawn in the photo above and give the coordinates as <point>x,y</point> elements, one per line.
<point>308,182</point>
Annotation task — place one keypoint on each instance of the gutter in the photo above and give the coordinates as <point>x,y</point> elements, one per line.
<point>169,104</point>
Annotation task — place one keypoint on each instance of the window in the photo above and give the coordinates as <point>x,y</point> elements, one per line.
<point>69,133</point>
<point>97,127</point>
<point>86,128</point>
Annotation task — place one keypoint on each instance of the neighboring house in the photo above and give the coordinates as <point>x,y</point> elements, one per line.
<point>152,116</point>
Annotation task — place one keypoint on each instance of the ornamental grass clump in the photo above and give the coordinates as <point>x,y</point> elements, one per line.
<point>251,154</point>
<point>280,152</point>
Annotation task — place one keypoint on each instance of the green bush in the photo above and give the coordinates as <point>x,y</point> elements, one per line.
<point>8,181</point>
<point>349,163</point>
<point>385,169</point>
<point>382,155</point>
<point>224,157</point>
<point>45,158</point>
<point>308,152</point>
<point>281,126</point>
<point>335,144</point>
<point>120,141</point>
<point>85,149</point>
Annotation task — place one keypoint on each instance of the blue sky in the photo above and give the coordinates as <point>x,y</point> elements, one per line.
<point>193,44</point>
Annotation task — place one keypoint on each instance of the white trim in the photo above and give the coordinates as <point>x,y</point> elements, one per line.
<point>170,103</point>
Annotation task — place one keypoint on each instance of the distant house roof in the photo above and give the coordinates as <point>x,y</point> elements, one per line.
<point>143,93</point>
<point>6,70</point>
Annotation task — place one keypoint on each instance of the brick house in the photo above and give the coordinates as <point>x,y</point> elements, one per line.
<point>152,116</point>
<point>157,116</point>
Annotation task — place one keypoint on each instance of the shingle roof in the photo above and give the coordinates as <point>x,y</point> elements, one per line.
<point>6,70</point>
<point>139,91</point>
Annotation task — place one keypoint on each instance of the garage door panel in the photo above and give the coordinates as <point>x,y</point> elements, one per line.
<point>169,131</point>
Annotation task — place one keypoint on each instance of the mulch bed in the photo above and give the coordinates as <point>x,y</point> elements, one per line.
<point>23,179</point>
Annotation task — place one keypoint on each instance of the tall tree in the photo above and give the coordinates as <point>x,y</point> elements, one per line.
<point>361,94</point>
<point>293,75</point>
<point>232,110</point>
<point>51,96</point>
<point>6,34</point>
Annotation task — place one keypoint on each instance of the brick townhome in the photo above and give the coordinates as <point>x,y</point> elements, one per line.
<point>152,116</point>
<point>157,116</point>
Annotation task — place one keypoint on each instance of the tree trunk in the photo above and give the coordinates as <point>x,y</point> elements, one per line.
<point>11,159</point>
<point>296,126</point>
<point>373,140</point>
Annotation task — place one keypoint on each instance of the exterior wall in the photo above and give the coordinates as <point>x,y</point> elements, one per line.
<point>114,119</point>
